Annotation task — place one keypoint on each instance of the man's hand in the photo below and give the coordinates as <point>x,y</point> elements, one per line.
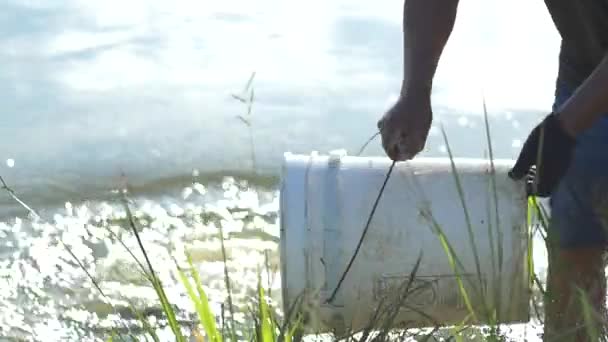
<point>427,25</point>
<point>405,126</point>
<point>545,157</point>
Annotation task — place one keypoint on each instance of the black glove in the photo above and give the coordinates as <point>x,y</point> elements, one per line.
<point>554,157</point>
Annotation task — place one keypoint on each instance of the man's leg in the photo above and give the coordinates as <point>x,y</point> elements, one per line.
<point>577,242</point>
<point>571,273</point>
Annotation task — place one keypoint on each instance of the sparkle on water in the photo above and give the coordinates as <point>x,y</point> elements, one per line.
<point>38,273</point>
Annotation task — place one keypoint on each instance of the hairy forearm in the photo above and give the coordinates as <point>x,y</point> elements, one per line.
<point>588,103</point>
<point>427,25</point>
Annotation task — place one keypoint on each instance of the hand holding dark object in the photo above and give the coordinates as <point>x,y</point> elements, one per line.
<point>545,157</point>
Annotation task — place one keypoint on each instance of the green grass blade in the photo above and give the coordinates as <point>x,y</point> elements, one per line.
<point>496,289</point>
<point>532,211</point>
<point>455,263</point>
<point>529,217</point>
<point>499,243</point>
<point>266,326</point>
<point>464,205</point>
<point>193,297</point>
<point>466,215</point>
<point>459,337</point>
<point>465,296</point>
<point>168,310</point>
<point>209,323</point>
<point>459,329</point>
<point>227,283</point>
<point>293,310</point>
<point>461,197</point>
<point>201,302</point>
<point>156,283</point>
<point>292,330</point>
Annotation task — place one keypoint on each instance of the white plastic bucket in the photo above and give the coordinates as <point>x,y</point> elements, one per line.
<point>325,202</point>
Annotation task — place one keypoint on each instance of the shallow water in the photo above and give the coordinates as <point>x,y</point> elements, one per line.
<point>47,296</point>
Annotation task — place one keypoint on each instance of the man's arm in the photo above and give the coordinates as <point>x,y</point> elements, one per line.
<point>588,103</point>
<point>427,25</point>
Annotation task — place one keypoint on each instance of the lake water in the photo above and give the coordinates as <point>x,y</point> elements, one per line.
<point>97,94</point>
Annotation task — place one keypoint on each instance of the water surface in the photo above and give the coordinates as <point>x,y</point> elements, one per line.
<point>97,94</point>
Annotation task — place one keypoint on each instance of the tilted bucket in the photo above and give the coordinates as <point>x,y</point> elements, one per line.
<point>325,202</point>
